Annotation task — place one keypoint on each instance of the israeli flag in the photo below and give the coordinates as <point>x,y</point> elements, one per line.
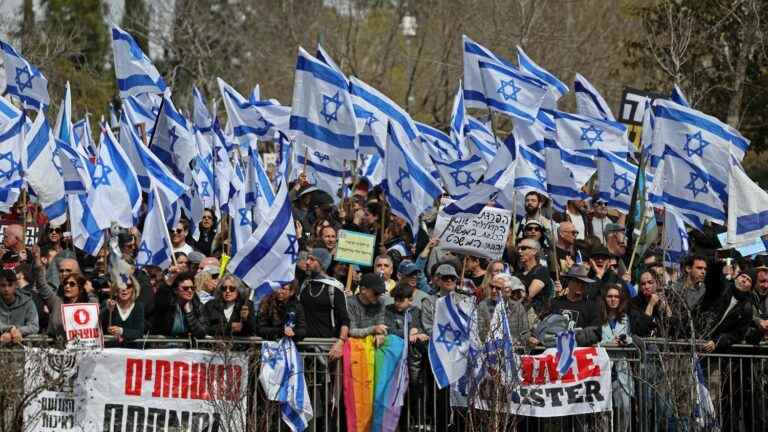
<point>84,136</point>
<point>116,193</point>
<point>142,112</point>
<point>458,118</point>
<point>326,58</point>
<point>41,172</point>
<point>561,184</point>
<point>285,161</point>
<point>460,176</point>
<point>24,80</point>
<point>530,174</point>
<point>282,378</point>
<point>704,409</point>
<point>270,254</point>
<point>747,208</point>
<point>450,342</point>
<point>113,121</point>
<point>557,88</point>
<point>241,220</point>
<point>201,117</point>
<point>11,140</point>
<point>480,139</point>
<point>155,248</point>
<point>134,70</point>
<point>222,168</point>
<point>589,102</point>
<point>410,189</point>
<point>473,54</point>
<point>150,171</point>
<point>566,344</point>
<point>439,145</point>
<point>675,238</point>
<point>688,189</point>
<point>702,139</point>
<point>202,173</point>
<point>678,97</point>
<point>86,234</point>
<point>322,114</point>
<point>512,92</point>
<point>75,168</point>
<point>8,113</point>
<point>615,180</point>
<point>585,135</point>
<point>253,119</point>
<point>172,141</point>
<point>323,171</point>
<point>372,168</point>
<point>259,193</point>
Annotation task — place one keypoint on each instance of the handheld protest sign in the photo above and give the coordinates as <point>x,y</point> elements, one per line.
<point>81,325</point>
<point>355,248</point>
<point>484,235</point>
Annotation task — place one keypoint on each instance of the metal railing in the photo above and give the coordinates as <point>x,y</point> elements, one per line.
<point>662,396</point>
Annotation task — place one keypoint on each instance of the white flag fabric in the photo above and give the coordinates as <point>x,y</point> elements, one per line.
<point>253,119</point>
<point>557,88</point>
<point>270,254</point>
<point>480,139</point>
<point>282,378</point>
<point>172,141</point>
<point>450,342</point>
<point>24,80</point>
<point>589,101</point>
<point>10,163</point>
<point>134,70</point>
<point>566,344</point>
<point>41,172</point>
<point>241,223</point>
<point>116,194</point>
<point>155,248</point>
<point>86,234</point>
<point>259,193</point>
<point>8,113</point>
<point>473,54</point>
<point>675,237</point>
<point>747,208</point>
<point>512,92</point>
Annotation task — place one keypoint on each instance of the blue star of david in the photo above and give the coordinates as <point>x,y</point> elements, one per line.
<point>14,166</point>
<point>624,181</point>
<point>204,185</point>
<point>683,234</point>
<point>371,119</point>
<point>57,165</point>
<point>449,342</point>
<point>271,356</point>
<point>322,157</point>
<point>144,249</point>
<point>406,194</point>
<point>691,186</point>
<point>331,107</point>
<point>468,179</point>
<point>291,249</point>
<point>443,153</point>
<point>23,79</point>
<point>244,219</point>
<point>508,90</point>
<point>695,149</point>
<point>103,179</point>
<point>539,175</point>
<point>591,135</point>
<point>173,136</point>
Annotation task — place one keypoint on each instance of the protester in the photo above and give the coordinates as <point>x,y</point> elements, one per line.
<point>616,242</point>
<point>179,238</point>
<point>511,291</point>
<point>18,314</point>
<point>74,288</point>
<point>533,275</point>
<point>385,267</point>
<point>649,309</point>
<point>446,279</point>
<point>178,311</point>
<point>206,281</point>
<point>229,313</point>
<point>599,219</point>
<point>281,315</point>
<point>366,311</point>
<point>616,330</point>
<point>206,233</point>
<point>123,316</point>
<point>475,270</point>
<point>577,308</point>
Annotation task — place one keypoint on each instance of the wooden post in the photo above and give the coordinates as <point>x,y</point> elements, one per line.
<point>349,278</point>
<point>637,242</point>
<point>463,270</point>
<point>142,132</point>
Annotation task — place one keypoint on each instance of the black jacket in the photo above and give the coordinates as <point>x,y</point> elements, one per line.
<point>641,324</point>
<point>133,326</point>
<point>219,325</point>
<point>166,308</point>
<point>729,318</point>
<point>271,327</point>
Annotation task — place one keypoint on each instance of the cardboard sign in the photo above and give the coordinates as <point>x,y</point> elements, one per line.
<point>81,325</point>
<point>355,248</point>
<point>484,235</point>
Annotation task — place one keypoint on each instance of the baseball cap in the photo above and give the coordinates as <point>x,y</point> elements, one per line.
<point>446,270</point>
<point>374,282</point>
<point>408,268</point>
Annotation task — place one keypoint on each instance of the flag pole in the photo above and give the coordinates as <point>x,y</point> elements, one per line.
<point>554,249</point>
<point>637,242</point>
<point>165,226</point>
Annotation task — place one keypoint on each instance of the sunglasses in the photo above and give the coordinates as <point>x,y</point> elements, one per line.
<point>496,287</point>
<point>186,287</point>
<point>448,278</point>
<point>178,230</point>
<point>533,228</point>
<point>228,288</point>
<point>523,248</point>
<point>71,284</point>
<point>56,230</point>
<point>601,204</point>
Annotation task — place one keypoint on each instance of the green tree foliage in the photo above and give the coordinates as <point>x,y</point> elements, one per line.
<point>136,21</point>
<point>91,41</point>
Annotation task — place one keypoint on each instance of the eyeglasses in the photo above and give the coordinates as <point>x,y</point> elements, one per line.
<point>71,284</point>
<point>532,228</point>
<point>523,248</point>
<point>186,287</point>
<point>56,230</point>
<point>574,232</point>
<point>228,288</point>
<point>178,230</point>
<point>448,278</point>
<point>496,287</point>
<point>601,204</point>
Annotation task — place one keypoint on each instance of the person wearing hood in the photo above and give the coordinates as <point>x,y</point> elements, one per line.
<point>18,314</point>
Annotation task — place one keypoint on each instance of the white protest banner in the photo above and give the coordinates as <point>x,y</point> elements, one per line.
<point>81,325</point>
<point>162,390</point>
<point>50,374</point>
<point>484,235</point>
<point>543,392</point>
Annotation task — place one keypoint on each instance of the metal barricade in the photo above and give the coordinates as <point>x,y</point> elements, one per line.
<point>662,396</point>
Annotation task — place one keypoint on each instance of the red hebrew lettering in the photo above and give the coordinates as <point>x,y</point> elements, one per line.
<point>133,372</point>
<point>81,316</point>
<point>585,362</point>
<point>569,376</point>
<point>211,380</point>
<point>234,375</point>
<point>220,384</point>
<point>147,370</point>
<point>162,379</point>
<point>199,382</point>
<point>527,365</point>
<point>180,380</point>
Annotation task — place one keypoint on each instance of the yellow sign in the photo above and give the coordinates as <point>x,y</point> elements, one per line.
<point>355,248</point>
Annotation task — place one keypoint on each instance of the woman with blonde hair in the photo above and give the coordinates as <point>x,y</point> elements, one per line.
<point>206,281</point>
<point>123,317</point>
<point>494,267</point>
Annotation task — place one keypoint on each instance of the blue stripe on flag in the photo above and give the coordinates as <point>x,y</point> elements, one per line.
<point>321,72</point>
<point>701,123</point>
<point>267,242</point>
<point>751,222</point>
<point>322,134</point>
